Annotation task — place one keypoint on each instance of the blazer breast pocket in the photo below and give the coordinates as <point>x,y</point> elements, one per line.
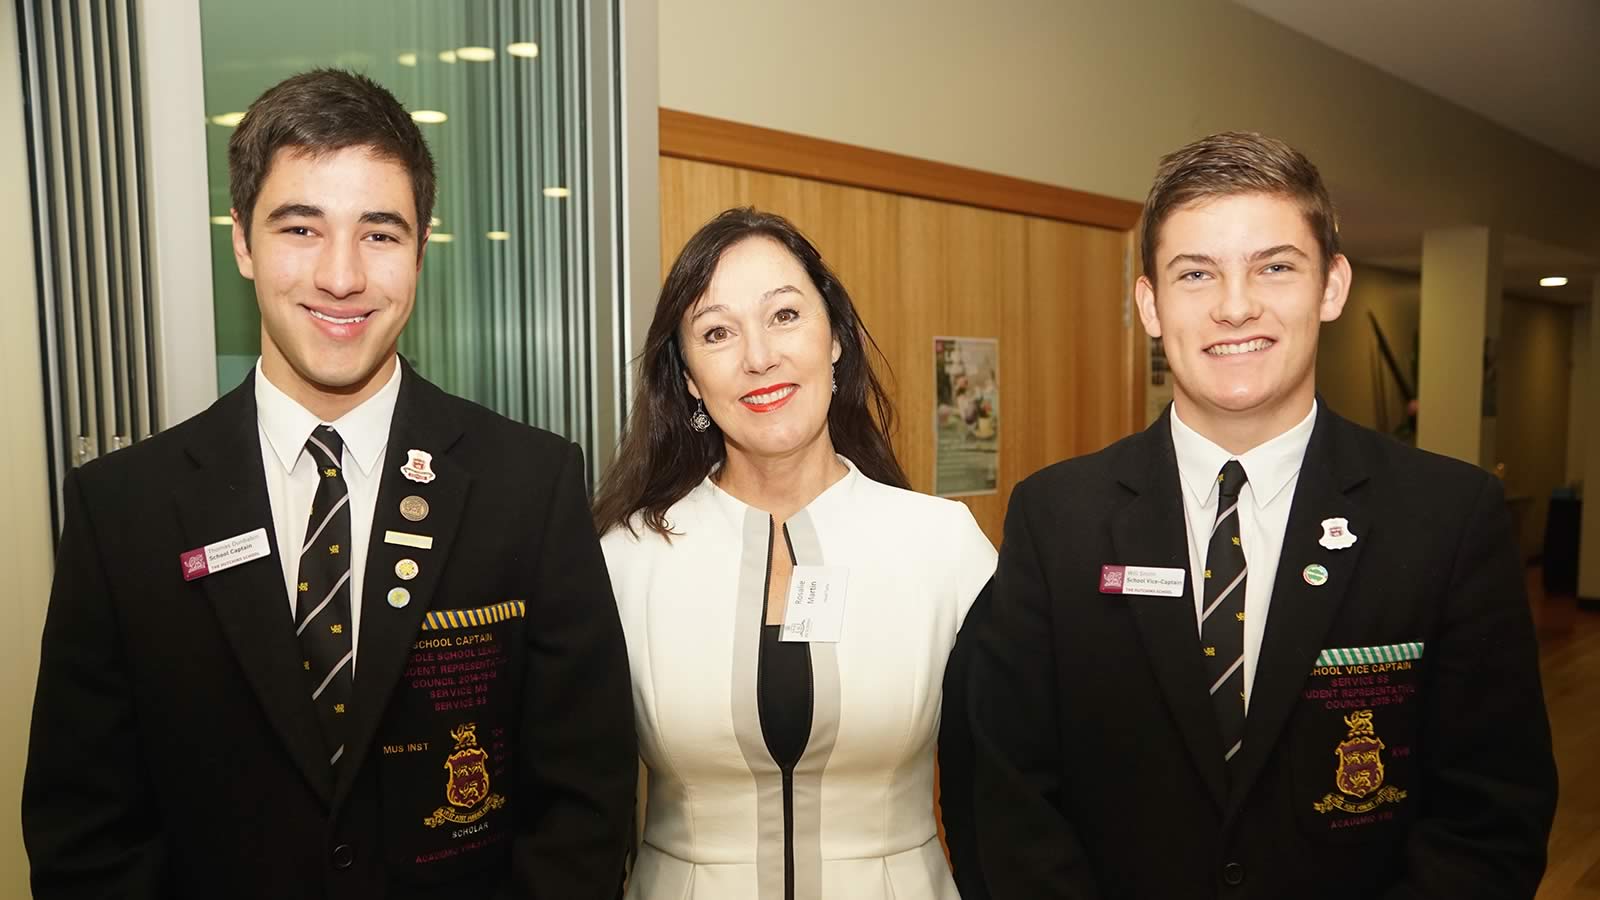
<point>447,742</point>
<point>1354,765</point>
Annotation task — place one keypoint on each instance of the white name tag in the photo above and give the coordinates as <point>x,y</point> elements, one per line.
<point>407,539</point>
<point>1148,581</point>
<point>814,613</point>
<point>225,554</point>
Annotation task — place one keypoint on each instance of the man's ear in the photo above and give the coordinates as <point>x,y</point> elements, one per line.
<point>1144,296</point>
<point>1335,288</point>
<point>241,246</point>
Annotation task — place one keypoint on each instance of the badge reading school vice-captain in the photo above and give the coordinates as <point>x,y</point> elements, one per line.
<point>1360,771</point>
<point>468,786</point>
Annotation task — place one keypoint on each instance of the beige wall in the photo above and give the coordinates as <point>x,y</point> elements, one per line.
<point>1589,550</point>
<point>1089,94</point>
<point>1580,403</point>
<point>25,538</point>
<point>1351,373</point>
<point>1539,432</point>
<point>1535,378</point>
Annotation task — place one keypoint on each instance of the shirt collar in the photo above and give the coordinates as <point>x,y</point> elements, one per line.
<point>1268,467</point>
<point>364,430</point>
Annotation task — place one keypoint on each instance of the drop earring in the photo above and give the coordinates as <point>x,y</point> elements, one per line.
<point>698,420</point>
<point>833,375</point>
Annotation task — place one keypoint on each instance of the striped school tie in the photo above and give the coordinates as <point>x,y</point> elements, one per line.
<point>1222,618</point>
<point>322,610</point>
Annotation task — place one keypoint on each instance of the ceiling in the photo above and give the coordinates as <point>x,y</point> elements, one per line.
<point>1531,66</point>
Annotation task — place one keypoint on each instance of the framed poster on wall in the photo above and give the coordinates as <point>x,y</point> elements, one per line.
<point>966,416</point>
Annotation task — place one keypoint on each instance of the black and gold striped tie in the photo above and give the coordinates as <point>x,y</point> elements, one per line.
<point>1222,617</point>
<point>322,610</point>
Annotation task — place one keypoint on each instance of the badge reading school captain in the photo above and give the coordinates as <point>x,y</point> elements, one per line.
<point>1360,771</point>
<point>467,788</point>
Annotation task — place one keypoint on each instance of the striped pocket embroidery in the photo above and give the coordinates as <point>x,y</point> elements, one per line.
<point>440,619</point>
<point>1352,656</point>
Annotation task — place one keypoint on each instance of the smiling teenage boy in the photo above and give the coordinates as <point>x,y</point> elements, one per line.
<point>1256,650</point>
<point>341,634</point>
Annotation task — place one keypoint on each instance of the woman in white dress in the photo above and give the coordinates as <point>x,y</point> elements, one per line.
<point>789,604</point>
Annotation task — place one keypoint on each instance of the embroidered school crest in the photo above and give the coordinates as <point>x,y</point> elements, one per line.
<point>467,787</point>
<point>1360,771</point>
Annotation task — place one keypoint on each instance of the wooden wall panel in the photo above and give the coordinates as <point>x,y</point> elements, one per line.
<point>1051,291</point>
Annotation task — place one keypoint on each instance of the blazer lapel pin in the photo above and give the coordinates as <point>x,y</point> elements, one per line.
<point>1336,534</point>
<point>418,467</point>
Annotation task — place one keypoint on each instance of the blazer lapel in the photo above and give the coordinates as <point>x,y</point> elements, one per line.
<point>1150,531</point>
<point>226,496</point>
<point>422,421</point>
<point>1302,612</point>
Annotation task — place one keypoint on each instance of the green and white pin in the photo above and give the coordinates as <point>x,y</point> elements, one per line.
<point>1315,575</point>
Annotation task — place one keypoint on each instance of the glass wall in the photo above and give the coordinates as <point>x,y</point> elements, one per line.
<point>504,311</point>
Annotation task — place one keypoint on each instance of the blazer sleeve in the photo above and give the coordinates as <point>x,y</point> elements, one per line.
<point>578,753</point>
<point>1489,773</point>
<point>974,562</point>
<point>1027,847</point>
<point>90,818</point>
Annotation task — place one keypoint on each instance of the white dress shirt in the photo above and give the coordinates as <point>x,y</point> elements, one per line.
<point>284,426</point>
<point>1271,472</point>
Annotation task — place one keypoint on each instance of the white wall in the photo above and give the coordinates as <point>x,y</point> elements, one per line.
<point>1089,93</point>
<point>25,538</point>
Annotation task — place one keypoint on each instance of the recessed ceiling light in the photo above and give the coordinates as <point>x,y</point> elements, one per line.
<point>498,235</point>
<point>440,238</point>
<point>228,120</point>
<point>524,49</point>
<point>556,192</point>
<point>222,220</point>
<point>1553,281</point>
<point>428,116</point>
<point>475,54</point>
<point>447,56</point>
<point>407,59</point>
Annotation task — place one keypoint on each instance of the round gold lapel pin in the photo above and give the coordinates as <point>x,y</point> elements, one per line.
<point>414,508</point>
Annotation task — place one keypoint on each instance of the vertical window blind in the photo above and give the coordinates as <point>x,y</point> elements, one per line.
<point>86,158</point>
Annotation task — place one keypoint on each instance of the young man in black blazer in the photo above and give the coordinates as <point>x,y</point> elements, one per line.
<point>1256,650</point>
<point>341,634</point>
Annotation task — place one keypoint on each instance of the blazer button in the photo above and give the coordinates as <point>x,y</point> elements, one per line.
<point>344,856</point>
<point>1233,874</point>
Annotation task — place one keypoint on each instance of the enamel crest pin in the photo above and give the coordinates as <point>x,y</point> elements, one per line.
<point>419,466</point>
<point>1336,534</point>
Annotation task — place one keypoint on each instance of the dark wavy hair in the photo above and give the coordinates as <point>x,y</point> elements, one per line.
<point>661,458</point>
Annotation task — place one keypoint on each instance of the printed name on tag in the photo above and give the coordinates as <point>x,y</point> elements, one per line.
<point>814,613</point>
<point>1148,581</point>
<point>224,554</point>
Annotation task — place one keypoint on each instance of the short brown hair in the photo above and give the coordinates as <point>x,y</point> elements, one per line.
<point>324,111</point>
<point>1232,163</point>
